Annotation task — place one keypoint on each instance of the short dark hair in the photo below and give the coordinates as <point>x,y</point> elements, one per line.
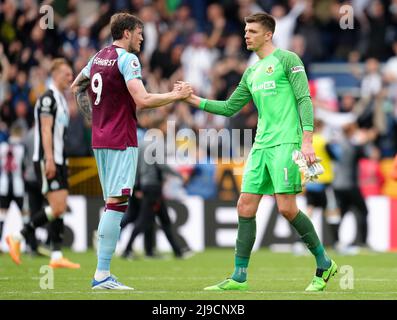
<point>264,19</point>
<point>123,21</point>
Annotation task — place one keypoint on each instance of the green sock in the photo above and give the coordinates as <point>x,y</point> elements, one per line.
<point>245,241</point>
<point>305,229</point>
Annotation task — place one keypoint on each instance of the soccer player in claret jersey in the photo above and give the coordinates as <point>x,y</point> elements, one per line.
<point>110,89</point>
<point>278,85</point>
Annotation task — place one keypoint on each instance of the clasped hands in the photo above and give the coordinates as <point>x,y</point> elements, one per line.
<point>183,89</point>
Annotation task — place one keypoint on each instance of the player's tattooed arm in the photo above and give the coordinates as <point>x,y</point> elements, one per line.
<point>83,101</point>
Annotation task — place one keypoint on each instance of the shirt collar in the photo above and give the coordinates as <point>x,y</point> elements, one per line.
<point>55,89</point>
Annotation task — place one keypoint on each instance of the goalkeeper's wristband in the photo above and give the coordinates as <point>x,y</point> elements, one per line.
<point>202,103</point>
<point>308,128</point>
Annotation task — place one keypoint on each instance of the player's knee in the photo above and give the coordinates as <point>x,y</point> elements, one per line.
<point>288,213</point>
<point>58,209</point>
<point>245,209</point>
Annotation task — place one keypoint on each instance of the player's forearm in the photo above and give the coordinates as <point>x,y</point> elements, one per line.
<point>239,98</point>
<point>155,100</point>
<point>217,107</point>
<point>6,67</point>
<point>83,100</point>
<point>305,108</point>
<point>307,137</point>
<point>84,104</point>
<point>194,100</point>
<point>47,143</point>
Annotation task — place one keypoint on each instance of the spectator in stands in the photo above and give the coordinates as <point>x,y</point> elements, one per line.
<point>100,30</point>
<point>346,183</point>
<point>23,116</point>
<point>202,178</point>
<point>307,27</point>
<point>8,22</point>
<point>183,23</point>
<point>371,82</point>
<point>394,169</point>
<point>20,89</point>
<point>347,103</point>
<point>11,177</point>
<point>370,174</point>
<point>285,22</point>
<point>375,37</point>
<point>4,73</point>
<point>216,26</point>
<point>36,199</point>
<point>160,61</point>
<point>150,31</point>
<point>390,73</point>
<point>150,178</point>
<point>320,194</point>
<point>197,61</point>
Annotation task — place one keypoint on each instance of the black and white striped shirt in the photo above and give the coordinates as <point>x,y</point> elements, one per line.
<point>11,163</point>
<point>52,103</point>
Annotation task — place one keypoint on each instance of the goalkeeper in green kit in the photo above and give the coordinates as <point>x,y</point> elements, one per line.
<point>278,85</point>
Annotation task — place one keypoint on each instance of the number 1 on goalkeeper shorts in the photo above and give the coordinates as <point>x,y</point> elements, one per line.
<point>286,174</point>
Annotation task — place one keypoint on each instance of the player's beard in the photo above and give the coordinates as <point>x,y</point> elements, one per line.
<point>131,48</point>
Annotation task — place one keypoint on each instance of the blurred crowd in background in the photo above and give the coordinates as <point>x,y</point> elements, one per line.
<point>202,42</point>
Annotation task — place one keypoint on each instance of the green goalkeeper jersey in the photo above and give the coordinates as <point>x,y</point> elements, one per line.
<point>279,88</point>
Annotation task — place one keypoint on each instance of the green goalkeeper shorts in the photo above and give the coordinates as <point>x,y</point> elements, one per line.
<point>272,170</point>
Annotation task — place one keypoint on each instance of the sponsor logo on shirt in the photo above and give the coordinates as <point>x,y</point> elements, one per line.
<point>298,69</point>
<point>267,85</point>
<point>269,70</point>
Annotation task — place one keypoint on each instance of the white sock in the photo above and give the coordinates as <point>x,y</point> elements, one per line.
<point>48,212</point>
<point>25,219</point>
<point>101,274</point>
<point>17,236</point>
<point>333,219</point>
<point>56,255</point>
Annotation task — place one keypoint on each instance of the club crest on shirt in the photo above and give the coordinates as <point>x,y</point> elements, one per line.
<point>269,70</point>
<point>46,104</point>
<point>54,185</point>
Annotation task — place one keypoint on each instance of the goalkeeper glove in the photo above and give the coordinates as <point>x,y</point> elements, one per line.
<point>310,172</point>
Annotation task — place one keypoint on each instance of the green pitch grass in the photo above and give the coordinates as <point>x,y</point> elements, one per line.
<point>271,276</point>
